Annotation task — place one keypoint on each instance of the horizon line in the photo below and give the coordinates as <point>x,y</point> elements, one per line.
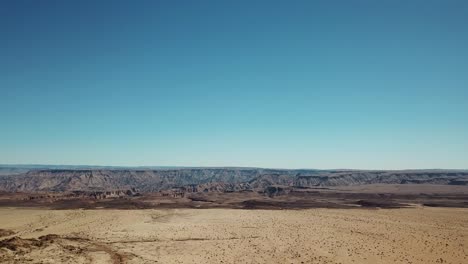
<point>217,167</point>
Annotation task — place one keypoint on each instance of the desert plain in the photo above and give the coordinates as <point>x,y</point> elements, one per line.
<point>406,235</point>
<point>232,215</point>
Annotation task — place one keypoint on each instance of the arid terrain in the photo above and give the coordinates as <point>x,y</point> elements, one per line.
<point>146,180</point>
<point>412,235</point>
<point>232,216</point>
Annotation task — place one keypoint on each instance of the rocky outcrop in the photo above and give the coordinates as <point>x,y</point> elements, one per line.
<point>212,179</point>
<point>98,195</point>
<point>273,191</point>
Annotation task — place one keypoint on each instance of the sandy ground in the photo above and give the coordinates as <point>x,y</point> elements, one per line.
<point>413,235</point>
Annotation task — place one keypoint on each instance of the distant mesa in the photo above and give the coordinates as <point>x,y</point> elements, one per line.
<point>128,182</point>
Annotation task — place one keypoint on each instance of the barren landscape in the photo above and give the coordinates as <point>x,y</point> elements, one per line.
<point>234,132</point>
<point>414,235</point>
<point>234,215</point>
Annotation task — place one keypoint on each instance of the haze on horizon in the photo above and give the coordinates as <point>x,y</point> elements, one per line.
<point>276,84</point>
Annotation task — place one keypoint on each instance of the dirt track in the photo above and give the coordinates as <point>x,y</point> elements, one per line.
<point>414,235</point>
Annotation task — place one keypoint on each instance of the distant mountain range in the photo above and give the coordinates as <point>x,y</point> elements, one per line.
<point>59,178</point>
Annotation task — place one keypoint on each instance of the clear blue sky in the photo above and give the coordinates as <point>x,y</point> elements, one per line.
<point>291,84</point>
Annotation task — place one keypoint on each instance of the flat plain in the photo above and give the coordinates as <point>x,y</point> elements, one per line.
<point>406,235</point>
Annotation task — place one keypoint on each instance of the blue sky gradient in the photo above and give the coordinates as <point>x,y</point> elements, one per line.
<point>290,84</point>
